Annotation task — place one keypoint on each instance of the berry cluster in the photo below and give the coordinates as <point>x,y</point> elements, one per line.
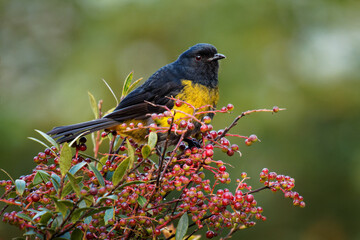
<point>139,191</point>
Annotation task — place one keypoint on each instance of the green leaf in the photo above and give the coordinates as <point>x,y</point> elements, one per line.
<point>57,222</point>
<point>182,227</point>
<point>131,153</point>
<point>60,207</point>
<point>101,163</point>
<point>117,142</point>
<point>30,232</point>
<point>45,216</point>
<point>109,214</point>
<point>75,187</point>
<point>20,186</point>
<point>152,139</point>
<point>145,151</point>
<point>97,174</point>
<point>120,171</point>
<point>77,213</point>
<point>117,101</point>
<point>97,210</point>
<point>41,176</point>
<point>77,234</point>
<point>37,140</point>
<point>129,183</point>
<point>65,159</point>
<point>133,86</point>
<point>77,167</point>
<point>48,138</point>
<point>55,179</point>
<point>93,105</point>
<point>141,200</point>
<point>127,84</point>
<point>24,216</point>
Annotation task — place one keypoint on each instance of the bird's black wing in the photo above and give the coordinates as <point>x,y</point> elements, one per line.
<point>156,90</point>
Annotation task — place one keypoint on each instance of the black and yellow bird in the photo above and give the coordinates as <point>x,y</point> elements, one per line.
<point>193,78</point>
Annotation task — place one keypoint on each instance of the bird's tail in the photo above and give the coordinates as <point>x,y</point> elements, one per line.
<point>70,132</point>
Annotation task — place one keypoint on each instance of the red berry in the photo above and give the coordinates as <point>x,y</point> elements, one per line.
<point>93,191</point>
<point>204,128</point>
<point>253,138</point>
<point>248,142</point>
<point>178,103</point>
<point>209,153</point>
<point>234,147</point>
<point>191,126</point>
<point>230,107</point>
<point>104,134</point>
<point>222,168</point>
<point>230,152</point>
<point>35,197</point>
<point>210,234</point>
<point>82,147</point>
<point>207,119</point>
<point>275,109</point>
<point>249,198</point>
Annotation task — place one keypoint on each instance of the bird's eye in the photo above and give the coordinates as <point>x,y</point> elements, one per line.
<point>198,57</point>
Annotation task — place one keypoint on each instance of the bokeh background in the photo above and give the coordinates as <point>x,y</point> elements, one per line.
<point>302,55</point>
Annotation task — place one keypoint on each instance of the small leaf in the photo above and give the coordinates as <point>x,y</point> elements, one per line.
<point>120,171</point>
<point>182,227</point>
<point>131,153</point>
<point>37,140</point>
<point>133,86</point>
<point>117,101</point>
<point>96,210</point>
<point>75,187</point>
<point>55,179</point>
<point>46,217</point>
<point>117,142</point>
<point>141,200</point>
<point>24,216</point>
<point>77,234</point>
<point>48,138</point>
<point>97,174</point>
<point>30,232</point>
<point>152,139</point>
<point>77,167</point>
<point>109,214</point>
<point>126,84</point>
<point>20,186</point>
<point>65,159</point>
<point>145,151</point>
<point>93,105</point>
<point>101,163</point>
<point>41,176</point>
<point>77,213</point>
<point>61,207</point>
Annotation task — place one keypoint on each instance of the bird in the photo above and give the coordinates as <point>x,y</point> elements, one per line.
<point>192,78</point>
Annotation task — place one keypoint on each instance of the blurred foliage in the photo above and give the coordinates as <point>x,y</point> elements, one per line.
<point>302,55</point>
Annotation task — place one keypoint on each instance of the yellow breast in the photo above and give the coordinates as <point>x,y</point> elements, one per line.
<point>195,94</point>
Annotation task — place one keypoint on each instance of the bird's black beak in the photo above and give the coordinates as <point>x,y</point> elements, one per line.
<point>217,56</point>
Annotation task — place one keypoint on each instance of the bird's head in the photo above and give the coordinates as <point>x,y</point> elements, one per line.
<point>201,62</point>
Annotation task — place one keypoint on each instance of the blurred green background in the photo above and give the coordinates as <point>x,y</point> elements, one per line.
<point>302,55</point>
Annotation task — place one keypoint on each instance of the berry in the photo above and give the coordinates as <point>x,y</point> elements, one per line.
<point>275,109</point>
<point>230,107</point>
<point>210,234</point>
